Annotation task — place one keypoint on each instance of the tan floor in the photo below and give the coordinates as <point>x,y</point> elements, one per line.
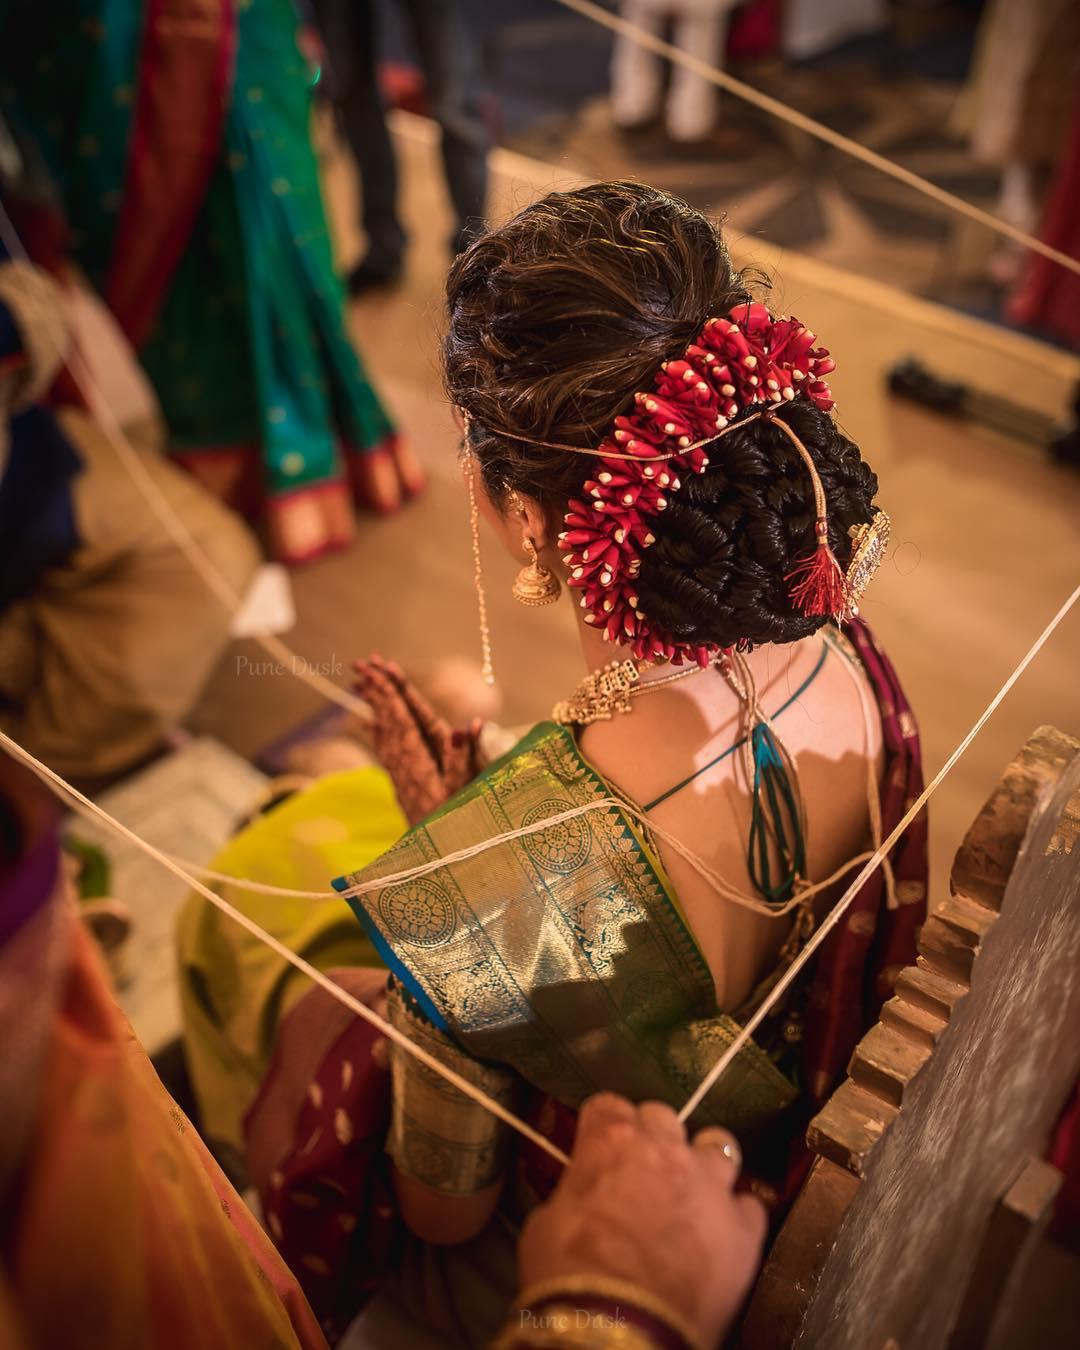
<point>987,538</point>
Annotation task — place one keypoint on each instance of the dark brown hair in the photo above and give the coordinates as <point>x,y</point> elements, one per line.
<point>557,318</point>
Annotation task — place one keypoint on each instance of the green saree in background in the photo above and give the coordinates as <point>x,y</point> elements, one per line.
<point>177,133</point>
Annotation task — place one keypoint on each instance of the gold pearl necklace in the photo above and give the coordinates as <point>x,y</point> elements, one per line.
<point>610,689</point>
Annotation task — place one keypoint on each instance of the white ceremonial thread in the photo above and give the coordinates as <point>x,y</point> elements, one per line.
<point>174,525</point>
<point>244,884</point>
<point>710,874</point>
<point>218,585</point>
<point>839,909</point>
<point>725,888</point>
<point>63,788</point>
<point>818,130</point>
<point>719,883</point>
<point>200,561</point>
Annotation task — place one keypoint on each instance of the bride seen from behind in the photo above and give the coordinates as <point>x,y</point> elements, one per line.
<point>640,428</point>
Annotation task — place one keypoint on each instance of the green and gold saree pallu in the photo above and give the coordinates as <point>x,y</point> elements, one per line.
<point>562,953</point>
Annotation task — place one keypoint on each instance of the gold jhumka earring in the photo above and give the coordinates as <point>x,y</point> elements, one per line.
<point>534,584</point>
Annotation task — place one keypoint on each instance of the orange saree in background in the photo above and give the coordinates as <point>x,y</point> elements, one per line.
<point>118,1227</point>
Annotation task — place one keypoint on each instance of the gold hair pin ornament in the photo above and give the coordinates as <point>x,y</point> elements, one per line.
<point>868,545</point>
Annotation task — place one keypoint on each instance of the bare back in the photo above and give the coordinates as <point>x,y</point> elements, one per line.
<point>831,733</point>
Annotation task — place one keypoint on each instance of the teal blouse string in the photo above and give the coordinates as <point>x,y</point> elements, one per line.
<point>775,816</point>
<point>774,813</point>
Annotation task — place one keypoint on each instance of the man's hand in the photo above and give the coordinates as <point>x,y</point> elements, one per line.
<point>640,1204</point>
<point>425,757</point>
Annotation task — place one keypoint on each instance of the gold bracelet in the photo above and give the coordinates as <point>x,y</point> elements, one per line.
<point>562,1291</point>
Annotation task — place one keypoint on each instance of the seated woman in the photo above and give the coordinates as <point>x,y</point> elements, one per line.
<point>600,907</point>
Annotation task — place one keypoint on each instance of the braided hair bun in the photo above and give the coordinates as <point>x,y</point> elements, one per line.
<point>557,318</point>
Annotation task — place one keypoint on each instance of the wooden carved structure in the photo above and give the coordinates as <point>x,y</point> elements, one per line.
<point>929,1191</point>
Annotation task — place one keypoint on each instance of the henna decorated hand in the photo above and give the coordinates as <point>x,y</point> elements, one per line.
<point>427,759</point>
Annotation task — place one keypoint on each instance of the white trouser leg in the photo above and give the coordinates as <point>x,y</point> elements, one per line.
<point>636,72</point>
<point>701,31</point>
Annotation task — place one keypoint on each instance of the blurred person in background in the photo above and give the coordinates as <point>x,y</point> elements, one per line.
<point>718,32</point>
<point>177,134</point>
<point>107,632</point>
<point>698,27</point>
<point>351,31</point>
<point>1021,115</point>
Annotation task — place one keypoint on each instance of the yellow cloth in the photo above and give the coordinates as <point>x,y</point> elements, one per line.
<point>234,989</point>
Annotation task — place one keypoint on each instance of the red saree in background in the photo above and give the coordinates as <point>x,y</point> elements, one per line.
<point>316,1131</point>
<point>1047,298</point>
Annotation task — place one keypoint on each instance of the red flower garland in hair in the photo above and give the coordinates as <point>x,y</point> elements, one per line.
<point>747,360</point>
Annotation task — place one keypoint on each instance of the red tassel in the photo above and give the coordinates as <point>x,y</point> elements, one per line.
<point>820,587</point>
